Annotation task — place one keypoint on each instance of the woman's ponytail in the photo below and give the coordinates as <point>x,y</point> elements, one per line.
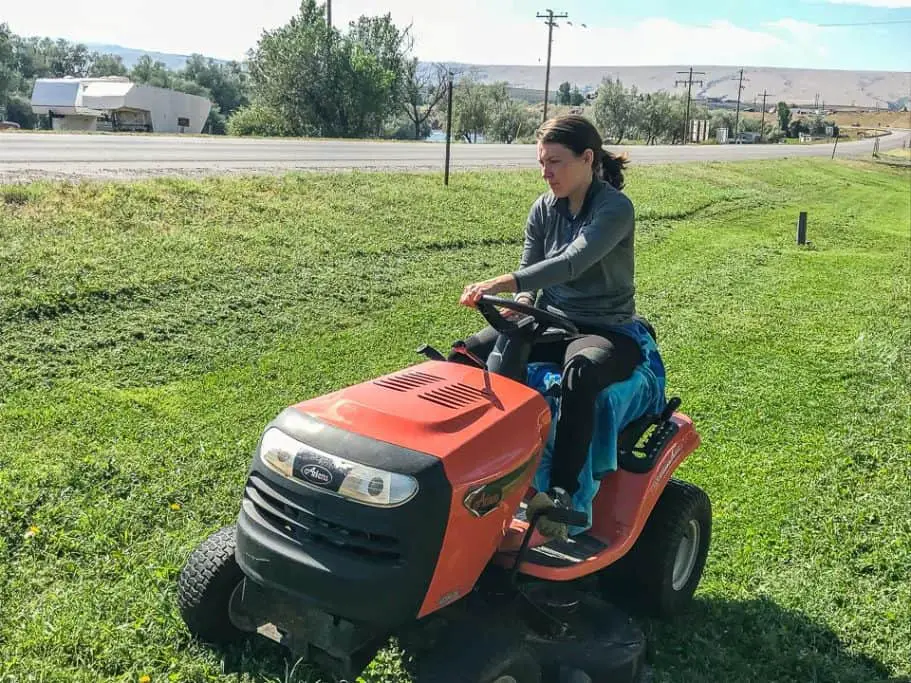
<point>612,166</point>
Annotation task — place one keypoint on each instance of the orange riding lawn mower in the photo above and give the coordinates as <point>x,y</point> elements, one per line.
<point>398,507</point>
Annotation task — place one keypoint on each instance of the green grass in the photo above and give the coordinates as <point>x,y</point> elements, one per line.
<point>148,331</point>
<point>903,154</point>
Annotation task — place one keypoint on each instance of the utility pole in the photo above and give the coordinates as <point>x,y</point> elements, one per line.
<point>737,115</point>
<point>689,89</point>
<point>765,94</point>
<point>550,16</point>
<point>329,14</point>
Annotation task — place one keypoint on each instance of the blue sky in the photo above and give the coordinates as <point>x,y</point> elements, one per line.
<point>776,33</point>
<point>876,47</point>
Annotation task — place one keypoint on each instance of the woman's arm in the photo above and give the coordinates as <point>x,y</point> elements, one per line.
<point>612,222</point>
<point>533,248</point>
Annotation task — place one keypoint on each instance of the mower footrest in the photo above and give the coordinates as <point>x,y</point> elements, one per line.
<point>566,553</point>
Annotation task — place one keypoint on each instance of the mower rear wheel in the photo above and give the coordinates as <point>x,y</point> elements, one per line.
<point>472,652</point>
<point>662,570</point>
<point>205,585</point>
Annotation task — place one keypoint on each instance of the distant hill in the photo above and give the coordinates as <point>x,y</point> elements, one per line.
<point>862,89</point>
<point>131,55</point>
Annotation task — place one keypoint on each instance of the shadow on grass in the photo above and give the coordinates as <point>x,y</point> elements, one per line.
<point>717,641</point>
<point>259,660</point>
<point>754,641</point>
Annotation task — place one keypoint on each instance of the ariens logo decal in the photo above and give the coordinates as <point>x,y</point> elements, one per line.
<point>316,474</point>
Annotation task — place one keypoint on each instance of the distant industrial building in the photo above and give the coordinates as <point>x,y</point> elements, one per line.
<point>116,103</point>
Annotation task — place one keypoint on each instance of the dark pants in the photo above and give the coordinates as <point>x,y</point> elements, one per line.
<point>590,363</point>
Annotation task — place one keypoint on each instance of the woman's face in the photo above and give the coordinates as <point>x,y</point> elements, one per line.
<point>562,169</point>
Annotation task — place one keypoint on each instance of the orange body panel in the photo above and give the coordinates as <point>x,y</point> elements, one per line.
<point>619,512</point>
<point>477,423</point>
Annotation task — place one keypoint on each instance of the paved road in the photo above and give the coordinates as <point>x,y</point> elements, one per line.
<point>29,155</point>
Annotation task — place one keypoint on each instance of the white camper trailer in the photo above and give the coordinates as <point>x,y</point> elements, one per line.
<point>116,103</point>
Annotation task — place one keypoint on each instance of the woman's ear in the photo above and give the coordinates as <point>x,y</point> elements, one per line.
<point>588,156</point>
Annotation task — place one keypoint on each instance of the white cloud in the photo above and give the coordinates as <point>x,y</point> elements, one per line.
<point>227,29</point>
<point>800,34</point>
<point>478,31</point>
<point>793,26</point>
<point>486,33</point>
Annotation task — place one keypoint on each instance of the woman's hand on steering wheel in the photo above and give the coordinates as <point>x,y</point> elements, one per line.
<point>473,292</point>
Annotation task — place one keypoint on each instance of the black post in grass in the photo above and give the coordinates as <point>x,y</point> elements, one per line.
<point>448,131</point>
<point>802,228</point>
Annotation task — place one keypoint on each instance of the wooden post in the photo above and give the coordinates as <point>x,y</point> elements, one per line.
<point>802,228</point>
<point>448,132</point>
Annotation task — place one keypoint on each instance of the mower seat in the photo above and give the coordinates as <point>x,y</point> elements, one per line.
<point>632,405</point>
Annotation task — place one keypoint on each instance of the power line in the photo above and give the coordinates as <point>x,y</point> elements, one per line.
<point>867,23</point>
<point>815,25</point>
<point>550,16</point>
<point>689,89</point>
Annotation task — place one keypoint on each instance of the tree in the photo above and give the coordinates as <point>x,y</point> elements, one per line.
<point>673,123</point>
<point>654,114</point>
<point>753,126</point>
<point>784,117</point>
<point>290,68</point>
<point>151,72</point>
<point>19,110</point>
<point>615,109</point>
<point>423,91</point>
<point>797,127</point>
<point>507,119</point>
<point>105,64</point>
<point>723,119</point>
<point>226,84</point>
<point>470,116</point>
<point>61,58</point>
<point>8,73</point>
<point>326,83</point>
<point>255,119</point>
<point>564,94</point>
<point>576,98</point>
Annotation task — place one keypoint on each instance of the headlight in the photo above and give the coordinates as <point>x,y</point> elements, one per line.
<point>300,462</point>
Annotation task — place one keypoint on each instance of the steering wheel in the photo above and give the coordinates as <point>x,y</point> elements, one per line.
<point>487,305</point>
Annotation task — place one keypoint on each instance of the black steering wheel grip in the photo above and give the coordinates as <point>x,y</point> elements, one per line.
<point>487,305</point>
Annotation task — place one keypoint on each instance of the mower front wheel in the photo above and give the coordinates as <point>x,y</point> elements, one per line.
<point>204,588</point>
<point>479,653</point>
<point>662,570</point>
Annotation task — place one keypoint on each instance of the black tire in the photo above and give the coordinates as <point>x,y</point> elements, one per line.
<point>643,581</point>
<point>473,652</point>
<point>204,589</point>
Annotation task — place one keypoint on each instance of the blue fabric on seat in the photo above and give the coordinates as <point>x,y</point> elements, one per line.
<point>616,406</point>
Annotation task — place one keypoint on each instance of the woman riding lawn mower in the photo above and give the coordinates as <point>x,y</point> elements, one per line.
<point>486,507</point>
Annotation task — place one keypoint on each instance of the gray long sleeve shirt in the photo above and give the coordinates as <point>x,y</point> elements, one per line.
<point>584,265</point>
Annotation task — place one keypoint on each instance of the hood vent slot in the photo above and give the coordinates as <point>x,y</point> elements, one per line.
<point>408,381</point>
<point>455,396</point>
